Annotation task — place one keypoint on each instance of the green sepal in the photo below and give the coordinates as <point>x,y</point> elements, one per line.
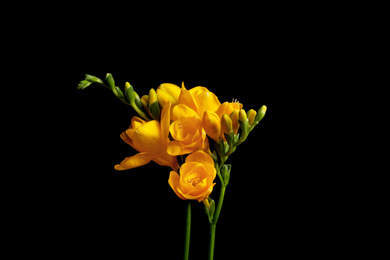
<point>110,81</point>
<point>236,138</point>
<point>210,210</point>
<point>154,110</point>
<point>134,100</point>
<point>244,127</point>
<point>230,141</point>
<point>138,101</point>
<point>130,93</point>
<point>225,171</point>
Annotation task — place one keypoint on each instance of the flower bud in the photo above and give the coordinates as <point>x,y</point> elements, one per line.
<point>93,79</point>
<point>145,101</point>
<point>234,118</point>
<point>243,122</point>
<point>153,105</point>
<point>212,125</point>
<point>261,113</point>
<point>251,116</point>
<point>225,171</point>
<point>130,94</point>
<point>259,116</point>
<point>209,207</point>
<point>226,124</point>
<point>110,81</point>
<point>243,117</point>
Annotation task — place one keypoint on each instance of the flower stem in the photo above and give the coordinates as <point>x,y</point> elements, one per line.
<point>212,241</point>
<point>213,225</point>
<point>188,231</point>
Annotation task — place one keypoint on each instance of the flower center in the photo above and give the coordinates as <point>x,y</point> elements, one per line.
<point>193,181</point>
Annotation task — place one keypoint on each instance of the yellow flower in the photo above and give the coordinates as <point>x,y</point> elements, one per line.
<point>196,177</point>
<point>189,129</point>
<point>212,124</point>
<point>194,102</point>
<point>228,108</point>
<point>168,92</point>
<point>188,135</point>
<point>150,139</point>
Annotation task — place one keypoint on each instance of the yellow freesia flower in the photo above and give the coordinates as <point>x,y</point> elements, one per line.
<point>168,92</point>
<point>196,177</point>
<point>228,108</point>
<point>150,139</point>
<point>194,102</point>
<point>189,135</point>
<point>188,130</point>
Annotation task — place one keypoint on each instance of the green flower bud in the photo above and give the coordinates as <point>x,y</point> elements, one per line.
<point>251,116</point>
<point>209,207</point>
<point>225,171</point>
<point>226,124</point>
<point>154,107</point>
<point>244,123</point>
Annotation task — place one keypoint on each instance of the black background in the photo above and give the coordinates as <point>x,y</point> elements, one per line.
<point>79,205</point>
<point>101,211</point>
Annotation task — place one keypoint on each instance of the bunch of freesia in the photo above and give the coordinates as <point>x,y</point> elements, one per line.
<point>189,131</point>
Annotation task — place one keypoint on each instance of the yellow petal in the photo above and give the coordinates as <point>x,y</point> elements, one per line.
<point>212,124</point>
<point>147,138</point>
<point>187,99</point>
<point>134,161</point>
<point>165,122</point>
<point>174,148</point>
<point>182,110</point>
<point>207,101</point>
<point>174,182</point>
<point>200,157</point>
<point>170,89</point>
<point>126,138</point>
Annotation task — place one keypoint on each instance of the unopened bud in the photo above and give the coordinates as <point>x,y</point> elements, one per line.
<point>251,116</point>
<point>234,118</point>
<point>226,124</point>
<point>243,117</point>
<point>212,124</point>
<point>154,107</point>
<point>261,113</point>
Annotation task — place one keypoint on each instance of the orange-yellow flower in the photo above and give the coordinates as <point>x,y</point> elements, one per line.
<point>228,108</point>
<point>195,102</point>
<point>212,124</point>
<point>168,92</point>
<point>196,177</point>
<point>188,135</point>
<point>151,140</point>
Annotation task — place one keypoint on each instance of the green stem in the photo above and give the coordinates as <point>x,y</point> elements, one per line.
<point>213,225</point>
<point>212,241</point>
<point>188,231</point>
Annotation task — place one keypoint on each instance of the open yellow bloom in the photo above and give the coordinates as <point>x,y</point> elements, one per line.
<point>150,139</point>
<point>194,102</point>
<point>196,177</point>
<point>189,131</point>
<point>189,136</point>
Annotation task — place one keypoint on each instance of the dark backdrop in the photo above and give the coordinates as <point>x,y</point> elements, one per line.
<point>83,207</point>
<point>100,211</point>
